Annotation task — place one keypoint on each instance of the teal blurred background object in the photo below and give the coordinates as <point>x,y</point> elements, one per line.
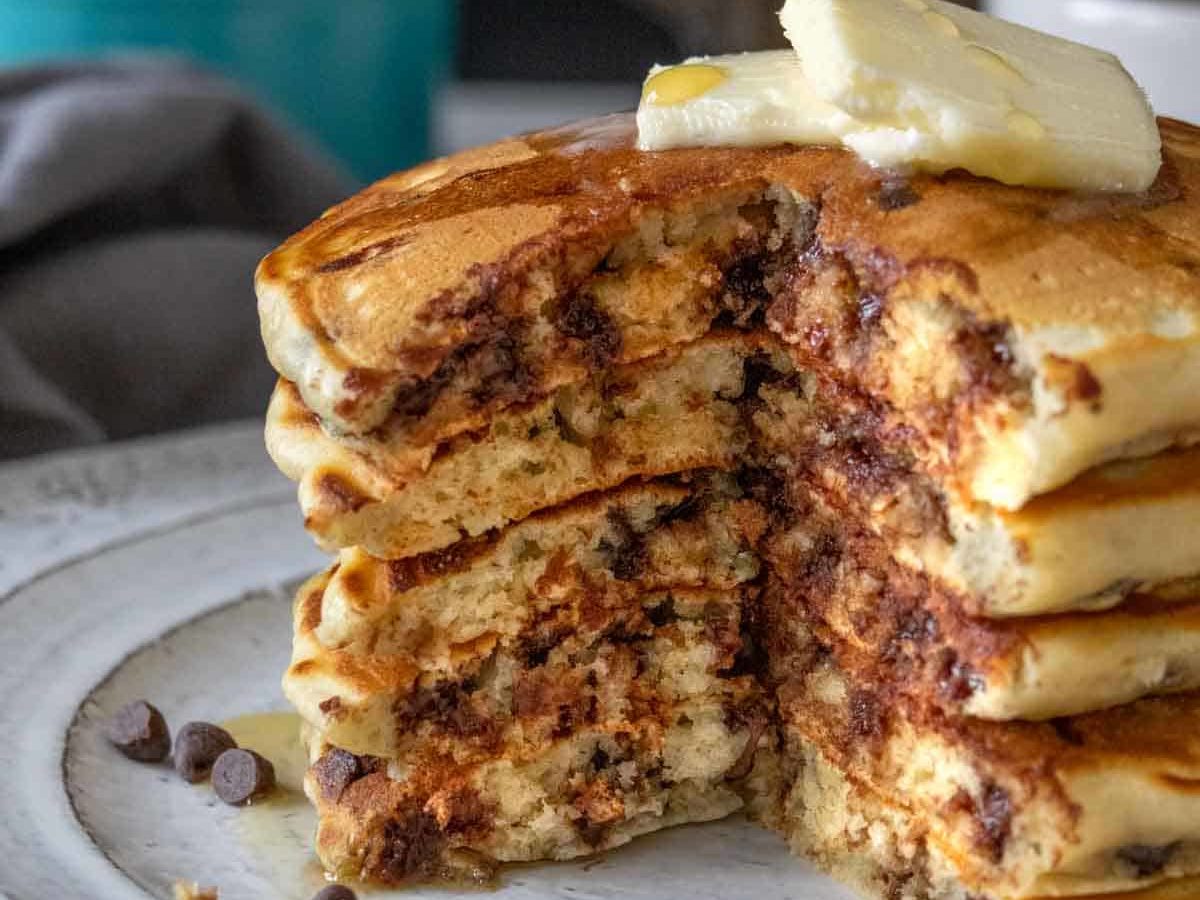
<point>359,75</point>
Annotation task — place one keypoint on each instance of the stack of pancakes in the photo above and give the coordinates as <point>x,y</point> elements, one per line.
<point>668,484</point>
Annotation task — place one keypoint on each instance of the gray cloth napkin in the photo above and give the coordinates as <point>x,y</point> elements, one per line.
<point>136,197</point>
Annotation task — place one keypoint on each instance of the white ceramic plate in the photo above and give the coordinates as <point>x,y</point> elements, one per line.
<point>161,569</point>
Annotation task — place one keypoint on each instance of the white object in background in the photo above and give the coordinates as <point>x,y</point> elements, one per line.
<point>1157,40</point>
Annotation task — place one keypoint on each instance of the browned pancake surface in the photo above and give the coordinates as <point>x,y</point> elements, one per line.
<point>391,281</point>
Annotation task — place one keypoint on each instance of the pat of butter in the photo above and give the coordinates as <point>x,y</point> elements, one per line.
<point>934,86</point>
<point>744,99</point>
<point>920,85</point>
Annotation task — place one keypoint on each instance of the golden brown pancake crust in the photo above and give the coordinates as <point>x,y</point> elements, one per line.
<point>394,280</point>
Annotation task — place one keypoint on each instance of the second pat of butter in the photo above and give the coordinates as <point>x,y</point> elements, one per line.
<point>933,86</point>
<point>919,85</point>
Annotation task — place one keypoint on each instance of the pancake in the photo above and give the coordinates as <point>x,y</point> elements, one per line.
<point>907,805</point>
<point>680,411</point>
<point>903,632</point>
<point>406,287</point>
<point>885,851</point>
<point>458,649</point>
<point>668,483</point>
<point>667,283</point>
<point>561,742</point>
<point>1117,529</point>
<point>392,823</point>
<point>997,321</point>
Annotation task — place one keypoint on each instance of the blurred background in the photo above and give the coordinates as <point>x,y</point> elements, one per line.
<point>152,150</point>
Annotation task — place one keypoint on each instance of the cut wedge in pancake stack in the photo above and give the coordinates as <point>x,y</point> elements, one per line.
<point>670,484</point>
<point>577,681</point>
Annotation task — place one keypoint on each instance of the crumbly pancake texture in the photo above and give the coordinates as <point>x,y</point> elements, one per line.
<point>900,801</point>
<point>505,274</point>
<point>886,852</point>
<point>525,635</point>
<point>598,788</point>
<point>1115,530</point>
<point>731,398</point>
<point>1020,331</point>
<point>904,632</point>
<point>682,410</point>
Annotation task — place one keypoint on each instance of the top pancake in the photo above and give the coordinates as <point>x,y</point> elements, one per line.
<point>362,308</point>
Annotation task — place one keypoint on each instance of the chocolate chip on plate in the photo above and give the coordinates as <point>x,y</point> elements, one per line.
<point>140,732</point>
<point>335,892</point>
<point>197,747</point>
<point>239,776</point>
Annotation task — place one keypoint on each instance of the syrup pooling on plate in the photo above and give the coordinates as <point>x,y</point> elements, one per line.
<point>278,830</point>
<point>275,735</point>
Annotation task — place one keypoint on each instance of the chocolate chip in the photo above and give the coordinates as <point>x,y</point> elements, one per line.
<point>331,706</point>
<point>1086,386</point>
<point>746,294</point>
<point>239,776</point>
<point>140,732</point>
<point>623,548</point>
<point>336,771</point>
<point>994,818</point>
<point>958,681</point>
<point>758,370</point>
<point>497,369</point>
<point>896,194</point>
<point>600,759</point>
<point>534,650</point>
<point>663,613</point>
<point>1067,732</point>
<point>870,311</point>
<point>578,316</point>
<point>866,715</point>
<point>747,277</point>
<point>1146,860</point>
<point>685,509</point>
<point>766,488</point>
<point>335,892</point>
<point>412,845</point>
<point>197,747</point>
